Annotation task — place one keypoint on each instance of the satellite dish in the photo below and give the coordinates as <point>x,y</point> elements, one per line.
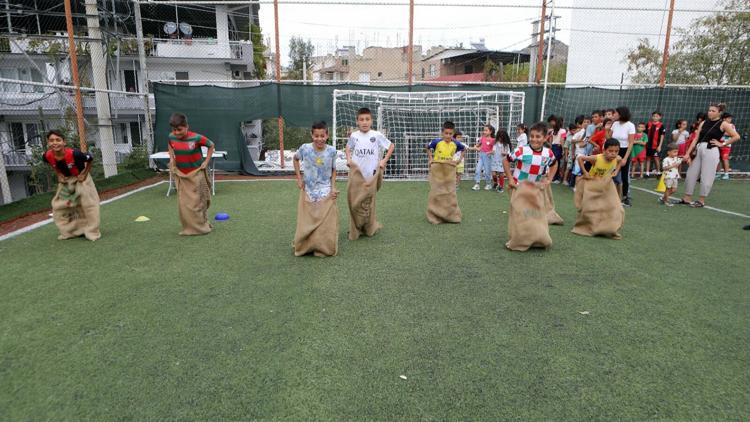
<point>170,28</point>
<point>185,28</point>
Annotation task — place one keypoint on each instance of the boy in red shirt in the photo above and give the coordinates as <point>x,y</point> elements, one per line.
<point>655,131</point>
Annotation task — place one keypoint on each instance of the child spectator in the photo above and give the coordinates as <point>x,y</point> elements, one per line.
<point>556,138</point>
<point>600,136</point>
<point>484,145</point>
<point>522,139</point>
<point>680,135</point>
<point>459,157</point>
<point>501,149</point>
<point>581,146</point>
<point>725,151</point>
<point>655,131</point>
<point>597,120</point>
<point>575,137</point>
<point>638,156</point>
<point>671,167</point>
<point>317,212</point>
<point>75,206</point>
<point>610,114</point>
<point>189,169</point>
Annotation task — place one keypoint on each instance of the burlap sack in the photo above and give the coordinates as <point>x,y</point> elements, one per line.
<point>442,203</point>
<point>549,206</point>
<point>194,198</point>
<point>75,209</point>
<point>317,227</point>
<point>600,212</point>
<point>361,200</point>
<point>527,220</point>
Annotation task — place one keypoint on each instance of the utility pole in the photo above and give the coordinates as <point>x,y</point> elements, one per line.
<point>540,46</point>
<point>76,79</point>
<point>665,58</point>
<point>410,50</point>
<point>99,70</point>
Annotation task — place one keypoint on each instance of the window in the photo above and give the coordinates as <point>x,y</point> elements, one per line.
<point>24,74</point>
<point>9,74</point>
<point>422,73</point>
<point>182,76</point>
<point>135,133</point>
<point>380,74</point>
<point>468,69</point>
<point>344,62</point>
<point>121,134</point>
<point>16,135</point>
<point>24,134</point>
<point>433,70</point>
<point>130,81</point>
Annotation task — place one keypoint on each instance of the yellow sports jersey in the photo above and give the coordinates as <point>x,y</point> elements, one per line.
<point>444,151</point>
<point>602,167</point>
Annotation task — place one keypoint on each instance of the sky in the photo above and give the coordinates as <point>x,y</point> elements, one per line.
<point>599,39</point>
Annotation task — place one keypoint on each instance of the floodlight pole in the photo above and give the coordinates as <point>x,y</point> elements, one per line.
<point>280,119</point>
<point>665,58</point>
<point>76,80</point>
<point>410,50</point>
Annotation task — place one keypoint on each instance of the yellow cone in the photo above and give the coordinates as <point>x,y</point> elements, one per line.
<point>661,187</point>
<point>142,218</point>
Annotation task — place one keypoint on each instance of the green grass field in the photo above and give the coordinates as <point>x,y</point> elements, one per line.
<point>147,325</point>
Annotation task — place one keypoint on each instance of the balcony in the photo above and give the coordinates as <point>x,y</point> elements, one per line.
<point>16,160</point>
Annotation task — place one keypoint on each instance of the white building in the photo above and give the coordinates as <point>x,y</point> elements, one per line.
<point>207,43</point>
<point>601,38</point>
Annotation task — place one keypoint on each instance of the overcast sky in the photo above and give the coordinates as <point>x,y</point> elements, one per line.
<point>503,28</point>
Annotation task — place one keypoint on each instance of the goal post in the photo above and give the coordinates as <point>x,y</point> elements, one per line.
<point>412,119</point>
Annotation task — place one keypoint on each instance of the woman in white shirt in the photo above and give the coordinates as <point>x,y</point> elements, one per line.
<point>624,131</point>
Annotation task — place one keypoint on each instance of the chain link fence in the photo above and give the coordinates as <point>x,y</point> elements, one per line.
<point>124,46</point>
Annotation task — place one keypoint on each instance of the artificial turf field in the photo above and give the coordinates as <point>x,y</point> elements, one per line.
<point>146,325</point>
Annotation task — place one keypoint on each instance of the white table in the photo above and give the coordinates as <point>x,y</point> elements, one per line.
<point>211,169</point>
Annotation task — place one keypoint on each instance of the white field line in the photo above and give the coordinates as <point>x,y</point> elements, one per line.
<point>706,207</point>
<point>49,220</point>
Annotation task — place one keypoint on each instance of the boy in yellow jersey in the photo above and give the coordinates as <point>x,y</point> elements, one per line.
<point>606,164</point>
<point>446,148</point>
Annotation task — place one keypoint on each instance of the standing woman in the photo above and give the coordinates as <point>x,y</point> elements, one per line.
<point>707,144</point>
<point>624,131</point>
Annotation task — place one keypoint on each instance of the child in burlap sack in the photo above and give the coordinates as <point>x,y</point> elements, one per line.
<point>531,168</point>
<point>442,203</point>
<point>188,166</point>
<point>600,212</point>
<point>317,212</point>
<point>75,206</point>
<point>366,167</point>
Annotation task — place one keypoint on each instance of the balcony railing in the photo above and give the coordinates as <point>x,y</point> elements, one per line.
<point>16,159</point>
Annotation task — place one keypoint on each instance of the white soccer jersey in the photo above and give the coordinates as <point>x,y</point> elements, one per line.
<point>367,150</point>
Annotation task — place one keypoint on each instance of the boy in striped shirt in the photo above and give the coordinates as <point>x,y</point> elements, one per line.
<point>185,146</point>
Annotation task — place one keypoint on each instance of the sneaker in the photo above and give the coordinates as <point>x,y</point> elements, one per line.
<point>725,177</point>
<point>557,182</point>
<point>669,204</point>
<point>500,190</point>
<point>487,187</point>
<point>626,203</point>
<point>660,200</point>
<point>476,187</point>
<point>648,174</point>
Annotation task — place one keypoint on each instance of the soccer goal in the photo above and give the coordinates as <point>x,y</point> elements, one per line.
<point>412,119</point>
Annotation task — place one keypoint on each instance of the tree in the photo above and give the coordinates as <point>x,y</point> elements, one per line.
<point>711,50</point>
<point>520,73</point>
<point>259,60</point>
<point>300,52</point>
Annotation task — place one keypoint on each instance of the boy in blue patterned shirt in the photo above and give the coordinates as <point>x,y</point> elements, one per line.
<point>318,165</point>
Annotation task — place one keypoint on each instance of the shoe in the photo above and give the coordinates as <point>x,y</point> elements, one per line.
<point>660,200</point>
<point>626,203</point>
<point>746,227</point>
<point>557,182</point>
<point>500,190</point>
<point>669,204</point>
<point>648,174</point>
<point>488,187</point>
<point>697,204</point>
<point>476,187</point>
<point>725,177</point>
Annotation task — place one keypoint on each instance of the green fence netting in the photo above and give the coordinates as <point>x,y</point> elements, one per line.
<point>219,112</point>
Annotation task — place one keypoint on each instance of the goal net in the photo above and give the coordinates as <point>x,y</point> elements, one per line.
<point>412,119</point>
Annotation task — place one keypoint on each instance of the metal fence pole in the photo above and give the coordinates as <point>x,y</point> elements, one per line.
<point>411,43</point>
<point>280,120</point>
<point>144,77</point>
<point>540,47</point>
